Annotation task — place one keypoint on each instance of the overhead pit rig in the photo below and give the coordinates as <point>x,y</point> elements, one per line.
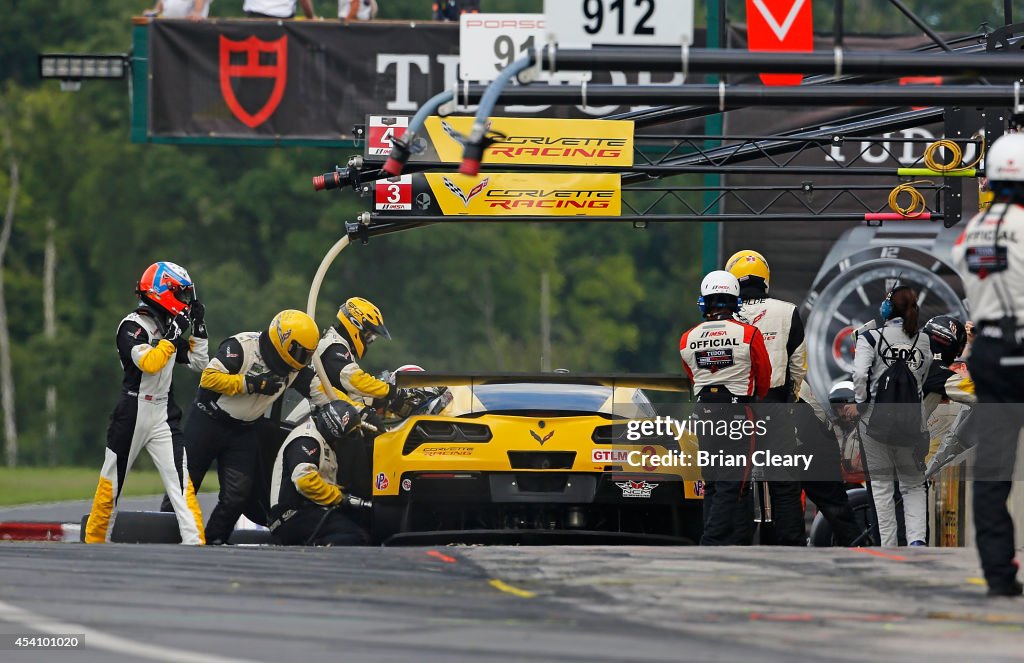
<point>841,79</point>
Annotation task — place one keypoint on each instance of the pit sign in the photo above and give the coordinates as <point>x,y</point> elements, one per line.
<point>380,132</point>
<point>585,23</point>
<point>490,42</point>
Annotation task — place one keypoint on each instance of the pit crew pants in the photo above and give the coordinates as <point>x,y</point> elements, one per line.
<point>1000,390</point>
<point>154,425</point>
<point>726,487</point>
<point>320,526</point>
<point>235,447</point>
<point>825,486</point>
<point>885,464</point>
<point>787,526</point>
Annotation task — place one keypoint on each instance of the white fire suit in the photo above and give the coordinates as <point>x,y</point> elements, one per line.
<point>146,417</point>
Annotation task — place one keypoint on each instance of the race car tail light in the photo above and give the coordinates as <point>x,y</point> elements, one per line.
<point>541,460</point>
<point>445,431</point>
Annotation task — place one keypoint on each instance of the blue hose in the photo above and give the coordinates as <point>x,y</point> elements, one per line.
<point>402,148</point>
<point>474,149</point>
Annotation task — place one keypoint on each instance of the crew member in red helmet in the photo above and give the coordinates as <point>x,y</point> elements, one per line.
<point>150,340</point>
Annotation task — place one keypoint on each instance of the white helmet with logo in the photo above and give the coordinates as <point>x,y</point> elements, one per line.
<point>723,287</point>
<point>1004,160</point>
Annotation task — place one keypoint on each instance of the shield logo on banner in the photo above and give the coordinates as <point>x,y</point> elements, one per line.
<point>252,48</point>
<point>780,25</point>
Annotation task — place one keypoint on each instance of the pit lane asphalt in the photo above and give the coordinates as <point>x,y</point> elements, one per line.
<point>621,604</point>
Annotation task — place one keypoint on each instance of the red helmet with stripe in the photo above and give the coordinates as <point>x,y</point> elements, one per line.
<point>167,287</point>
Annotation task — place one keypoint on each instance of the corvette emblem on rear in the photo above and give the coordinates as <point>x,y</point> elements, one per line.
<point>540,439</point>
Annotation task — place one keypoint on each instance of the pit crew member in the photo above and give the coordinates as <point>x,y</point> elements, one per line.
<point>989,256</point>
<point>728,364</point>
<point>305,498</point>
<point>250,371</point>
<point>783,332</point>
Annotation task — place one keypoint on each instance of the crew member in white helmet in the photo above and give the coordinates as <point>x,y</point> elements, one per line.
<point>729,366</point>
<point>990,258</point>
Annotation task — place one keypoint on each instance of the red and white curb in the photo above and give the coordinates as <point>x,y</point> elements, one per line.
<point>29,531</point>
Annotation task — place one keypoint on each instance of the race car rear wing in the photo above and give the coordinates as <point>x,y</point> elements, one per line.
<point>649,381</point>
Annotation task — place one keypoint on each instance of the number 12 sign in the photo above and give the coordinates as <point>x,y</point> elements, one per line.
<point>584,23</point>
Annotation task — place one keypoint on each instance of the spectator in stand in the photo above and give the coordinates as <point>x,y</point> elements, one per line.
<point>193,10</point>
<point>276,8</point>
<point>357,10</point>
<point>450,10</point>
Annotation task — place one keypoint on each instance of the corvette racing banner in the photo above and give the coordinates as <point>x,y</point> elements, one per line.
<point>529,141</point>
<point>501,194</point>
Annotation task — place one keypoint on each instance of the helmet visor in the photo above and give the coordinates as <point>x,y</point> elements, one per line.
<point>300,354</point>
<point>184,294</point>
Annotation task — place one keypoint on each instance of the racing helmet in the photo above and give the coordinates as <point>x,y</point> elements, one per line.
<point>947,336</point>
<point>746,265</point>
<point>294,336</point>
<point>167,287</point>
<point>413,368</point>
<point>1004,162</point>
<point>842,393</point>
<point>333,420</point>
<point>719,289</point>
<point>363,322</point>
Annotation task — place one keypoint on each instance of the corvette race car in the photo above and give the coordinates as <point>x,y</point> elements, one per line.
<point>529,459</point>
<point>513,458</point>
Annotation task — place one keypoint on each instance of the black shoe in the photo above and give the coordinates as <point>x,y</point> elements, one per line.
<point>1015,588</point>
<point>218,542</point>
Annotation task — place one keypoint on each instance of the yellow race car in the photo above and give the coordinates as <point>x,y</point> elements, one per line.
<point>533,458</point>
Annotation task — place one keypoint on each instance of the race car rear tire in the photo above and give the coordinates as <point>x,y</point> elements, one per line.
<point>159,527</point>
<point>821,531</point>
<point>387,521</point>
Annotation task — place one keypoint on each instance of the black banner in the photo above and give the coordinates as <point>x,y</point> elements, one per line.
<point>312,80</point>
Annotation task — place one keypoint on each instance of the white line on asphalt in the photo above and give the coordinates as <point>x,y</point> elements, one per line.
<point>106,641</point>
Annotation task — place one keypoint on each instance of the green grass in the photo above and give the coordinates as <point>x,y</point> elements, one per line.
<point>29,485</point>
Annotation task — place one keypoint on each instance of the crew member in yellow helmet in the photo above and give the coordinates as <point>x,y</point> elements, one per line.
<point>783,331</point>
<point>248,374</point>
<point>359,324</point>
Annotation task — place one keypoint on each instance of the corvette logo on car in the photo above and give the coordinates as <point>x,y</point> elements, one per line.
<point>540,439</point>
<point>636,488</point>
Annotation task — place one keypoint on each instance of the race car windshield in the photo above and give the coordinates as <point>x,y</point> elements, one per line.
<point>552,399</point>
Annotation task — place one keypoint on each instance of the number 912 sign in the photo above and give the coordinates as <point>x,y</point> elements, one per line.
<point>585,23</point>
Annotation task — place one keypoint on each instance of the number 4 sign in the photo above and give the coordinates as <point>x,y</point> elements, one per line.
<point>394,194</point>
<point>780,25</point>
<point>381,131</point>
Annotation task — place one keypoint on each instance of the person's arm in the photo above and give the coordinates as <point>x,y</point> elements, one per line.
<point>862,362</point>
<point>373,9</point>
<point>346,375</point>
<point>197,10</point>
<point>683,340</point>
<point>303,456</point>
<point>133,345</point>
<point>223,374</point>
<point>158,8</point>
<point>796,348</point>
<point>760,364</point>
<point>307,8</point>
<point>307,383</point>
